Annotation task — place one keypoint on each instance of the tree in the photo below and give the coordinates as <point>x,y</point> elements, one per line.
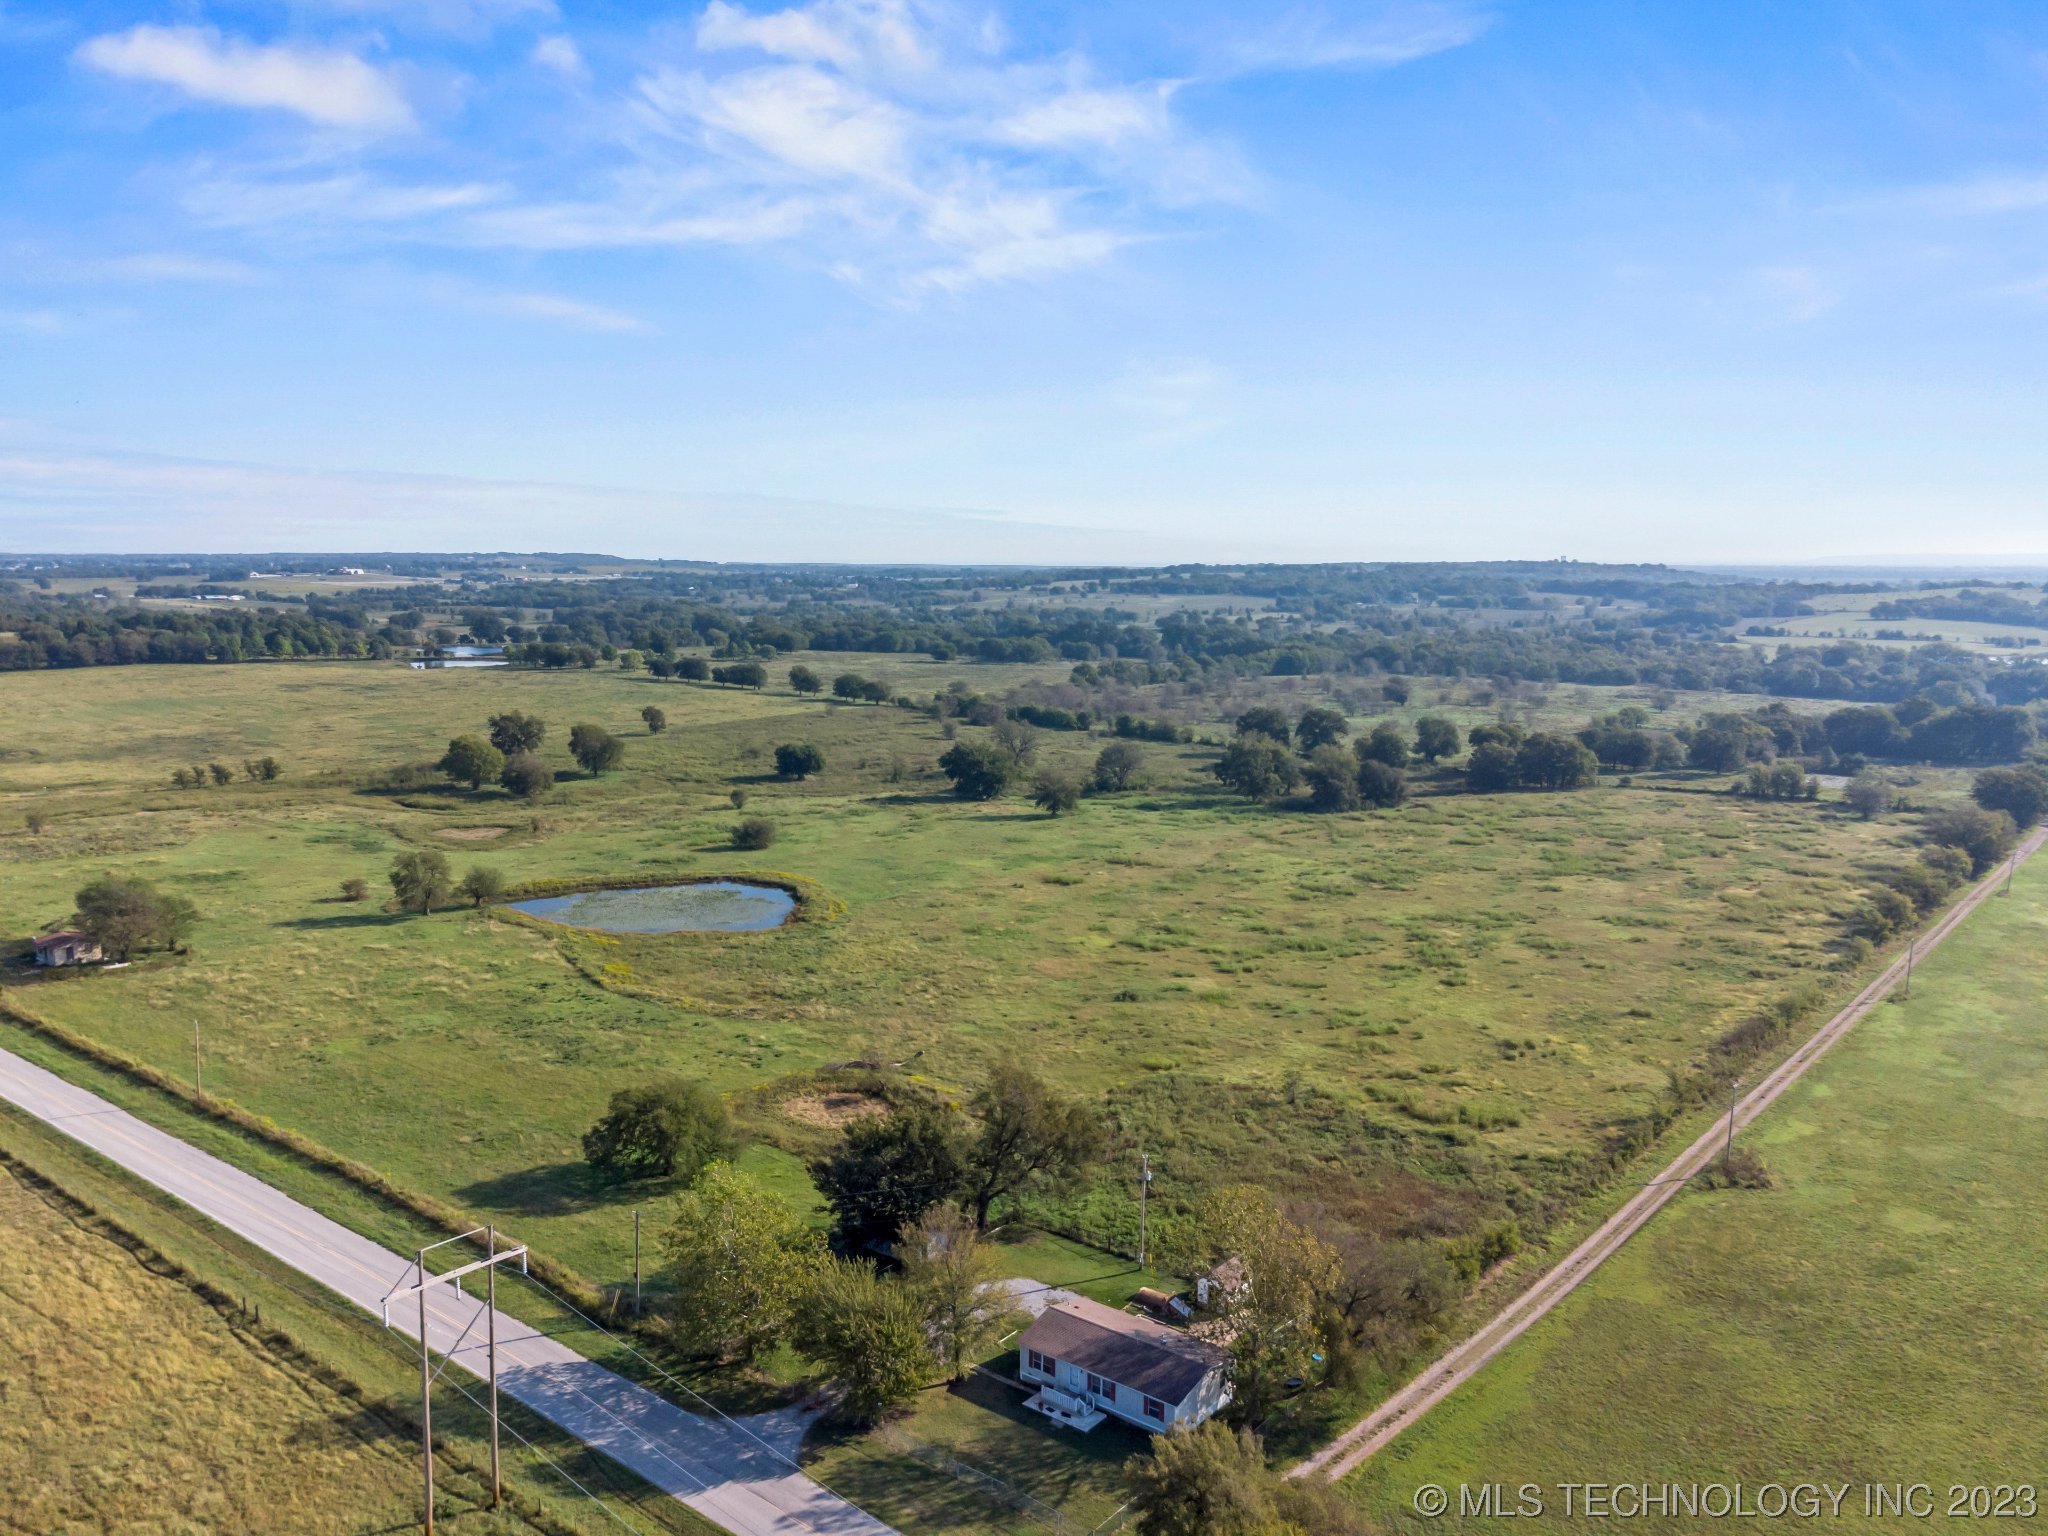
<point>1387,744</point>
<point>656,718</point>
<point>1207,1481</point>
<point>804,680</point>
<point>869,1335</point>
<point>742,1260</point>
<point>527,776</point>
<point>850,686</point>
<point>754,834</point>
<point>1332,775</point>
<point>693,669</point>
<point>1028,1136</point>
<point>1257,766</point>
<point>1380,786</point>
<point>595,749</point>
<point>1273,1321</point>
<point>979,770</point>
<point>354,889</point>
<point>482,885</point>
<point>746,674</point>
<point>421,881</point>
<point>1117,766</point>
<point>1986,836</point>
<point>1436,737</point>
<point>887,1172</point>
<point>125,916</point>
<point>798,760</point>
<point>1320,727</point>
<point>1265,720</point>
<point>470,760</point>
<point>1717,751</point>
<point>221,773</point>
<point>1491,768</point>
<point>2022,793</point>
<point>955,1279</point>
<point>1055,793</point>
<point>513,732</point>
<point>261,770</point>
<point>663,1128</point>
<point>1548,761</point>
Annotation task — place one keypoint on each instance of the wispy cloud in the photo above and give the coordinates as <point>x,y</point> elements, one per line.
<point>567,311</point>
<point>172,267</point>
<point>333,88</point>
<point>558,52</point>
<point>1318,37</point>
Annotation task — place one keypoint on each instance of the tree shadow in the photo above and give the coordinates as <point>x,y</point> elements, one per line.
<point>347,920</point>
<point>558,1189</point>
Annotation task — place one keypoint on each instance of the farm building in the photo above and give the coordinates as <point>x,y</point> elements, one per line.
<point>67,947</point>
<point>1090,1361</point>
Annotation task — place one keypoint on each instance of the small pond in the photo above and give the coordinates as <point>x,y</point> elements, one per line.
<point>704,906</point>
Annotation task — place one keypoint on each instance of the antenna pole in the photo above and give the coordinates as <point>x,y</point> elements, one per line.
<point>491,1334</point>
<point>426,1398</point>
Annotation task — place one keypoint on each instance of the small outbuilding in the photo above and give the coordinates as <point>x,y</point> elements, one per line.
<point>66,947</point>
<point>1089,1361</point>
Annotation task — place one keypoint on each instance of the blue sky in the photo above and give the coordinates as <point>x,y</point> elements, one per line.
<point>908,279</point>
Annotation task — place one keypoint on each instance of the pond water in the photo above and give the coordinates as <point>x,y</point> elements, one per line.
<point>705,906</point>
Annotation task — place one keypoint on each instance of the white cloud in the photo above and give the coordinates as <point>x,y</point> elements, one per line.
<point>559,53</point>
<point>171,267</point>
<point>471,18</point>
<point>848,34</point>
<point>790,118</point>
<point>567,311</point>
<point>1312,37</point>
<point>1111,117</point>
<point>308,207</point>
<point>333,88</point>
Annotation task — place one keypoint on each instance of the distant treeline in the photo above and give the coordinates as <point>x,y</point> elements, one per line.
<point>1969,605</point>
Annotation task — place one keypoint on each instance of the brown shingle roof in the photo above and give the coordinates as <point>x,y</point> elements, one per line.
<point>1133,1352</point>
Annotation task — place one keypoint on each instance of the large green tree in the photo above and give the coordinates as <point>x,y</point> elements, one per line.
<point>956,1279</point>
<point>888,1171</point>
<point>1436,737</point>
<point>661,1129</point>
<point>1028,1136</point>
<point>125,916</point>
<point>471,760</point>
<point>421,880</point>
<point>1257,766</point>
<point>595,749</point>
<point>514,732</point>
<point>869,1335</point>
<point>741,1260</point>
<point>1319,727</point>
<point>980,770</point>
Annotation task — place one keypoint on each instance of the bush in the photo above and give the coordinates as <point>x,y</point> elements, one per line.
<point>798,760</point>
<point>804,680</point>
<point>869,1335</point>
<point>1257,766</point>
<point>355,890</point>
<point>979,770</point>
<point>471,760</point>
<point>482,885</point>
<point>753,834</point>
<point>2021,793</point>
<point>1332,775</point>
<point>1491,767</point>
<point>527,776</point>
<point>1986,836</point>
<point>1387,744</point>
<point>1436,737</point>
<point>595,749</point>
<point>1380,785</point>
<point>1868,796</point>
<point>738,797</point>
<point>693,669</point>
<point>421,881</point>
<point>656,718</point>
<point>667,1128</point>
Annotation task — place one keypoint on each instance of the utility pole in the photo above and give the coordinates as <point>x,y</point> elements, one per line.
<point>636,1261</point>
<point>1912,944</point>
<point>1144,1189</point>
<point>197,1086</point>
<point>426,1395</point>
<point>490,1334</point>
<point>489,1263</point>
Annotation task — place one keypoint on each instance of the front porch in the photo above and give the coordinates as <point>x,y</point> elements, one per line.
<point>1066,1408</point>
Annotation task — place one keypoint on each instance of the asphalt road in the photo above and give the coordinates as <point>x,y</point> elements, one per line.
<point>735,1475</point>
<point>1458,1364</point>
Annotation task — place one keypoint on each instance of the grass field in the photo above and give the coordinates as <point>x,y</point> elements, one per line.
<point>1423,1020</point>
<point>1846,616</point>
<point>1875,1318</point>
<point>163,1377</point>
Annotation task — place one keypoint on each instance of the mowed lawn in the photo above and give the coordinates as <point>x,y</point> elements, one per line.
<point>1510,974</point>
<point>1877,1317</point>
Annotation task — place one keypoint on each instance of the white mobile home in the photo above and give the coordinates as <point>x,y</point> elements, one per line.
<point>1089,1361</point>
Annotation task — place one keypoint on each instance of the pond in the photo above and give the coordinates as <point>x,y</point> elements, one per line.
<point>704,906</point>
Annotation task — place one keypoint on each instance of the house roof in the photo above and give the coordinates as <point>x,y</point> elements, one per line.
<point>62,936</point>
<point>1133,1352</point>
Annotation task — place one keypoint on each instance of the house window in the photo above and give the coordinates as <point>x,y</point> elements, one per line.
<point>1108,1390</point>
<point>1155,1409</point>
<point>1094,1383</point>
<point>1044,1363</point>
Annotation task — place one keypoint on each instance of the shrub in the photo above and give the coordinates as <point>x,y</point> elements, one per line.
<point>595,749</point>
<point>471,760</point>
<point>798,760</point>
<point>693,669</point>
<point>1491,767</point>
<point>221,773</point>
<point>1986,836</point>
<point>804,680</point>
<point>421,880</point>
<point>753,834</point>
<point>1380,785</point>
<point>1387,744</point>
<point>656,718</point>
<point>1436,737</point>
<point>868,1333</point>
<point>666,1128</point>
<point>1117,766</point>
<point>1257,766</point>
<point>1868,796</point>
<point>526,776</point>
<point>482,885</point>
<point>1332,775</point>
<point>738,797</point>
<point>2021,793</point>
<point>979,770</point>
<point>354,889</point>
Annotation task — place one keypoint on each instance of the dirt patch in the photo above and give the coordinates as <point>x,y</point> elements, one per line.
<point>471,834</point>
<point>834,1110</point>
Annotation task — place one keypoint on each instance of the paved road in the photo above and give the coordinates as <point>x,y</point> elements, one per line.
<point>729,1473</point>
<point>1460,1363</point>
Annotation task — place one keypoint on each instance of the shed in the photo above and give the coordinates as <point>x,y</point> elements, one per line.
<point>68,946</point>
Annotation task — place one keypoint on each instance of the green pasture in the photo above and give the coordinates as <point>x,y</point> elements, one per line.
<point>1874,1318</point>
